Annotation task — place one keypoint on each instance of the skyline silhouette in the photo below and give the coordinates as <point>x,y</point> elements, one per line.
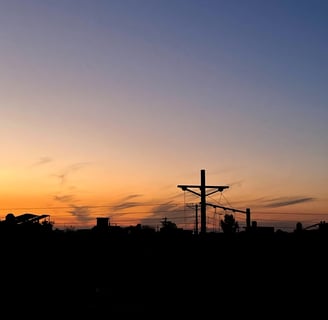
<point>109,273</point>
<point>225,224</point>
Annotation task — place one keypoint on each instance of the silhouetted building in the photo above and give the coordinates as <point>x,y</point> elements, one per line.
<point>103,223</point>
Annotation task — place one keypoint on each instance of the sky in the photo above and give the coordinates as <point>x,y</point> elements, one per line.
<point>108,106</point>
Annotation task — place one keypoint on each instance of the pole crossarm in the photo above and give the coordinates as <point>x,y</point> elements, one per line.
<point>185,187</point>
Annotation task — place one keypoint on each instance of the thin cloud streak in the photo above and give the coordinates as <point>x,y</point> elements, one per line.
<point>283,202</point>
<point>64,198</point>
<point>169,210</point>
<point>41,161</point>
<point>69,170</point>
<point>82,213</point>
<point>125,203</point>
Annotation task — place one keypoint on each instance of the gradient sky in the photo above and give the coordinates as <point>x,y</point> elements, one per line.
<point>107,106</point>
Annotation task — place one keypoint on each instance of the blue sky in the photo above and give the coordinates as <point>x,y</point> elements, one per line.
<point>127,99</point>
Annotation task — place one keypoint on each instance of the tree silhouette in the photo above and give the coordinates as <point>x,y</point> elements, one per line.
<point>229,224</point>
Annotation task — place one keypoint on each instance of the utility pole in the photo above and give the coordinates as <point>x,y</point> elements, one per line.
<point>191,205</point>
<point>202,194</point>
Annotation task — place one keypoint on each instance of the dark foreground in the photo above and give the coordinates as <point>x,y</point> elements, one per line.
<point>99,276</point>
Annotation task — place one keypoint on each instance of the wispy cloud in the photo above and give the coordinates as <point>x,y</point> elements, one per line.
<point>63,175</point>
<point>287,201</point>
<point>64,198</point>
<point>126,203</point>
<point>169,210</point>
<point>41,161</point>
<point>82,213</point>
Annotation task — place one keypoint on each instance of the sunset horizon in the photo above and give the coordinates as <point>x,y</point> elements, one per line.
<point>108,106</point>
<point>180,207</point>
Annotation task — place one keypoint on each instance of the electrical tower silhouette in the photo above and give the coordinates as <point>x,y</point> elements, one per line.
<point>202,194</point>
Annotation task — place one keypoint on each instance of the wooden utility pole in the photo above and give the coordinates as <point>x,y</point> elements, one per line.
<point>192,205</point>
<point>202,194</point>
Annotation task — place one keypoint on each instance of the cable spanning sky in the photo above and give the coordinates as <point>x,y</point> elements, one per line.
<point>107,106</point>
